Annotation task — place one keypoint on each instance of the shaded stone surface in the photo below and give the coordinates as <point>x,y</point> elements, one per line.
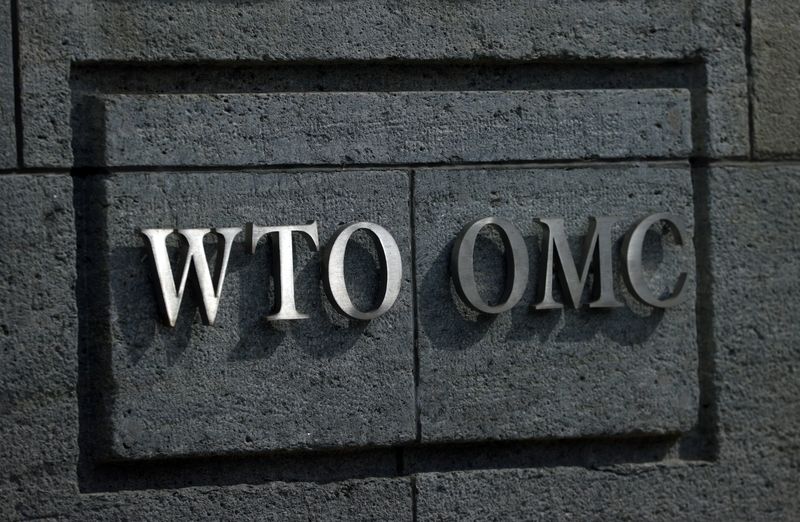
<point>373,499</point>
<point>755,242</point>
<point>245,384</point>
<point>39,418</point>
<point>8,130</point>
<point>38,334</point>
<point>58,35</point>
<point>752,247</point>
<point>776,77</point>
<point>633,448</point>
<point>656,492</point>
<point>394,127</point>
<point>533,374</point>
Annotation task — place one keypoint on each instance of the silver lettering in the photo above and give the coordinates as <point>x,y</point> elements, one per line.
<point>333,270</point>
<point>283,264</point>
<point>596,252</point>
<point>634,272</point>
<point>462,265</point>
<point>196,256</point>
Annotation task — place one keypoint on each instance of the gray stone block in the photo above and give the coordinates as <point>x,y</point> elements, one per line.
<point>525,374</point>
<point>59,36</point>
<point>776,77</point>
<point>623,414</point>
<point>8,129</point>
<point>38,334</point>
<point>371,499</point>
<point>750,237</point>
<point>754,252</point>
<point>312,466</point>
<point>247,385</point>
<point>550,494</point>
<point>656,492</point>
<point>39,411</point>
<point>404,127</point>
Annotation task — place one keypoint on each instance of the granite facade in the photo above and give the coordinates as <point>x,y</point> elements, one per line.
<point>116,116</point>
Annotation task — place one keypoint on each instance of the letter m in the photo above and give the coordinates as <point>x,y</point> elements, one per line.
<point>596,253</point>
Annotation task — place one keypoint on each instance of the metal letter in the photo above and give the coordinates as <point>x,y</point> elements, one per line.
<point>196,256</point>
<point>462,265</point>
<point>283,264</point>
<point>632,252</point>
<point>333,270</point>
<point>596,252</point>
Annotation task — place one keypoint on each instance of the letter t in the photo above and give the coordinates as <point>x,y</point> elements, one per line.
<point>283,264</point>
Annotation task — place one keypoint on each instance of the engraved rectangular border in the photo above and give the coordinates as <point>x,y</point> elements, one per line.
<point>697,446</point>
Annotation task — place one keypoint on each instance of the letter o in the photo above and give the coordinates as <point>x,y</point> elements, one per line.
<point>333,270</point>
<point>462,265</point>
<point>634,273</point>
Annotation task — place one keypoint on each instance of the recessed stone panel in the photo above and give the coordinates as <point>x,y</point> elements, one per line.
<point>247,384</point>
<point>58,36</point>
<point>562,373</point>
<point>395,127</point>
<point>117,115</point>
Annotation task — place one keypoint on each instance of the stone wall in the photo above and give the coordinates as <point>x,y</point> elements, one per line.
<point>118,115</point>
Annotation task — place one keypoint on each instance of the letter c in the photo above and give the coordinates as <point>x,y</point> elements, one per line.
<point>632,253</point>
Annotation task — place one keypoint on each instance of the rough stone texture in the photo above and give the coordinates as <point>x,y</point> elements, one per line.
<point>776,77</point>
<point>645,492</point>
<point>340,128</point>
<point>755,246</point>
<point>59,35</point>
<point>39,413</point>
<point>245,385</point>
<point>693,415</point>
<point>8,130</point>
<point>525,374</point>
<point>752,248</point>
<point>375,499</point>
<point>38,335</point>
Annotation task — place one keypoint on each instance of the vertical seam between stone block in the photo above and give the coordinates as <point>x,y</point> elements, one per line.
<point>699,108</point>
<point>17,81</point>
<point>706,363</point>
<point>748,59</point>
<point>413,498</point>
<point>415,314</point>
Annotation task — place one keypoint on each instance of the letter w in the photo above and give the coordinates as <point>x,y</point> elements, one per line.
<point>196,256</point>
